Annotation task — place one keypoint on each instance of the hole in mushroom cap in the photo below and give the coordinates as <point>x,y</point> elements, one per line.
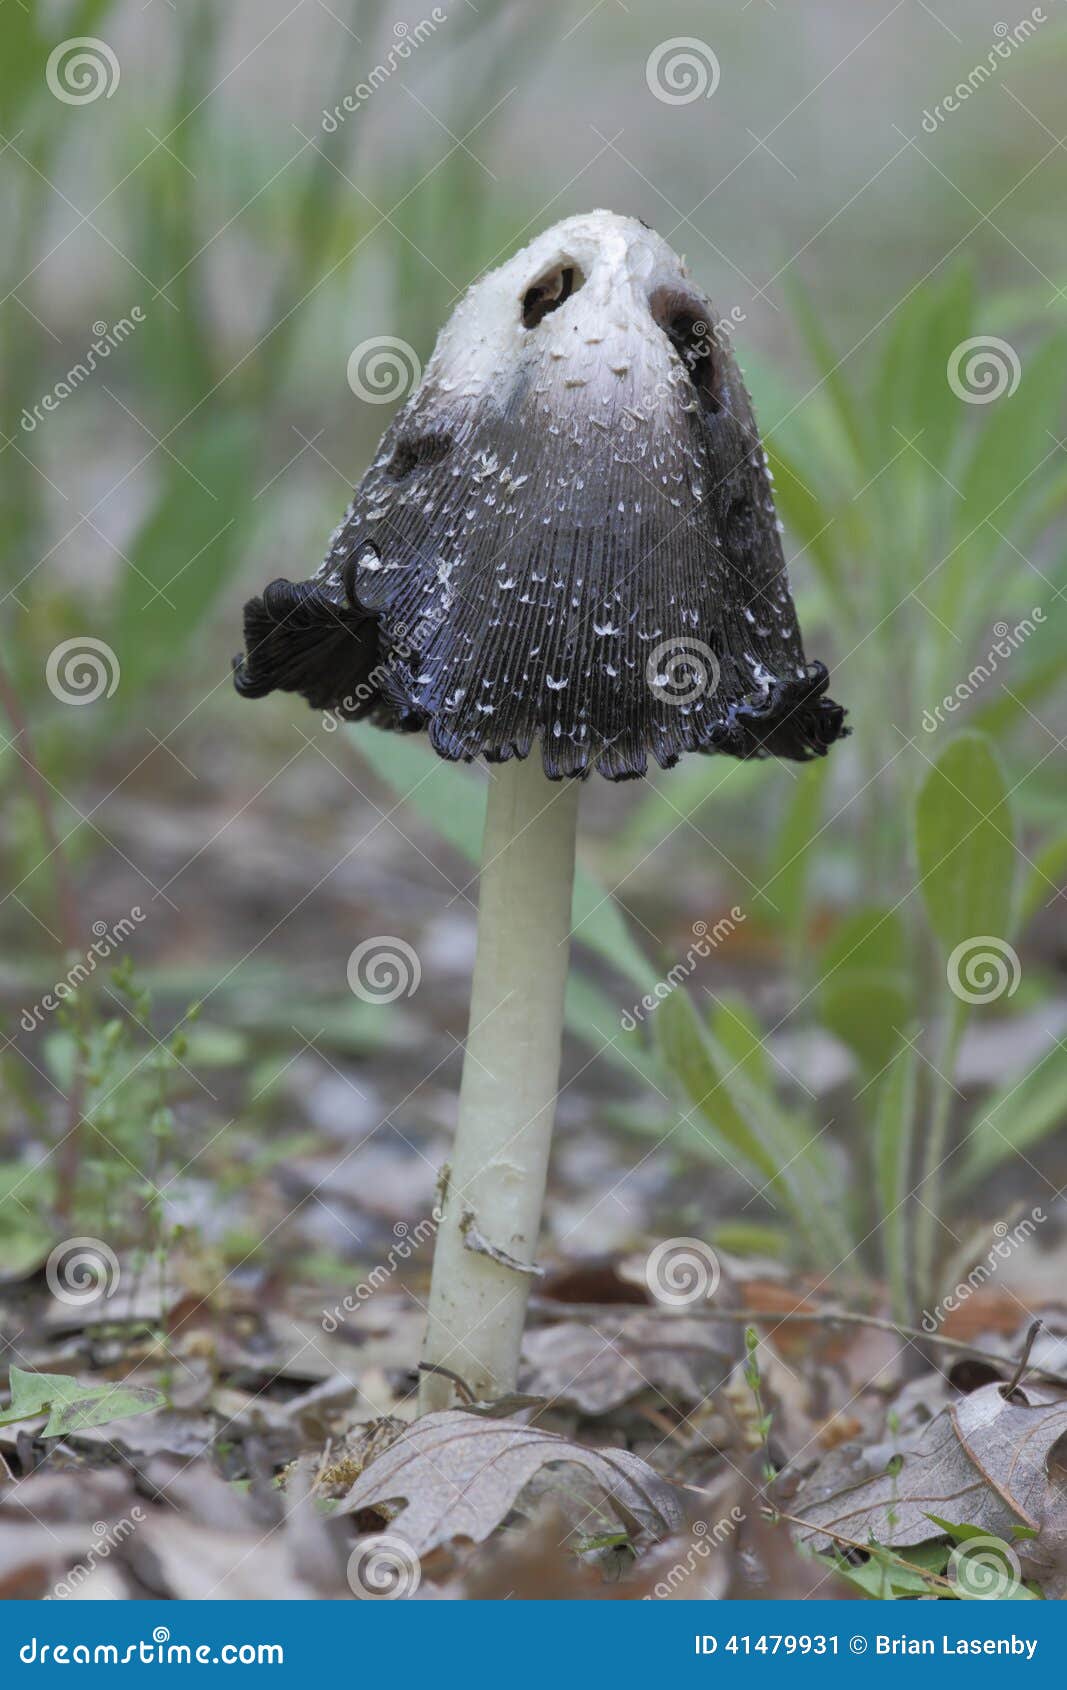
<point>685,323</point>
<point>365,557</point>
<point>549,292</point>
<point>416,451</point>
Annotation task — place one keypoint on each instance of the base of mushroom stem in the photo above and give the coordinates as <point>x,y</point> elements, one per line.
<point>491,1208</point>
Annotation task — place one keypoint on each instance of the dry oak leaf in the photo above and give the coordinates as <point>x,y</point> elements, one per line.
<point>460,1475</point>
<point>984,1461</point>
<point>597,1366</point>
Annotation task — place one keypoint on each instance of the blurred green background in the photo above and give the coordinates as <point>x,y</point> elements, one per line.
<point>236,249</point>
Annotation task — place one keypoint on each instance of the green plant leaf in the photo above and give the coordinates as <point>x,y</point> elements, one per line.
<point>25,1239</point>
<point>894,1133</point>
<point>809,519</point>
<point>964,844</point>
<point>749,1238</point>
<point>689,1059</point>
<point>72,1406</point>
<point>855,427</point>
<point>865,994</point>
<point>595,1017</point>
<point>871,940</point>
<point>914,395</point>
<point>1017,699</point>
<point>738,1034</point>
<point>784,884</point>
<point>1012,445</point>
<point>960,1534</point>
<point>1015,1119</point>
<point>866,1012</point>
<point>884,1578</point>
<point>696,782</point>
<point>745,1122</point>
<point>184,551</point>
<point>1041,881</point>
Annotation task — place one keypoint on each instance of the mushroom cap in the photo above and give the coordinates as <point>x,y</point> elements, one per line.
<point>567,536</point>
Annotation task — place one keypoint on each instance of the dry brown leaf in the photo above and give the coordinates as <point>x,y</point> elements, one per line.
<point>597,1366</point>
<point>196,1491</point>
<point>460,1475</point>
<point>982,1461</point>
<point>50,1496</point>
<point>162,1433</point>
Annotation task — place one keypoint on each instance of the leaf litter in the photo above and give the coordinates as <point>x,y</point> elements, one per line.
<point>460,1475</point>
<point>257,1442</point>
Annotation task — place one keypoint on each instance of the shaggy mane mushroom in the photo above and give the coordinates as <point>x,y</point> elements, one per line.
<point>564,558</point>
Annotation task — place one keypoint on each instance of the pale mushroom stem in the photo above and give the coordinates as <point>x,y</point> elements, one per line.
<point>484,1256</point>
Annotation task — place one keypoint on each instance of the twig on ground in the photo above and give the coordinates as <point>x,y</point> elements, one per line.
<point>774,1514</point>
<point>854,1543</point>
<point>446,1373</point>
<point>826,1317</point>
<point>1012,1384</point>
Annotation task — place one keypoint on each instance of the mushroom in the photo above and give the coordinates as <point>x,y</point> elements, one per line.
<point>564,559</point>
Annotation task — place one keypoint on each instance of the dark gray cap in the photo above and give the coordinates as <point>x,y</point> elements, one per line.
<point>568,536</point>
